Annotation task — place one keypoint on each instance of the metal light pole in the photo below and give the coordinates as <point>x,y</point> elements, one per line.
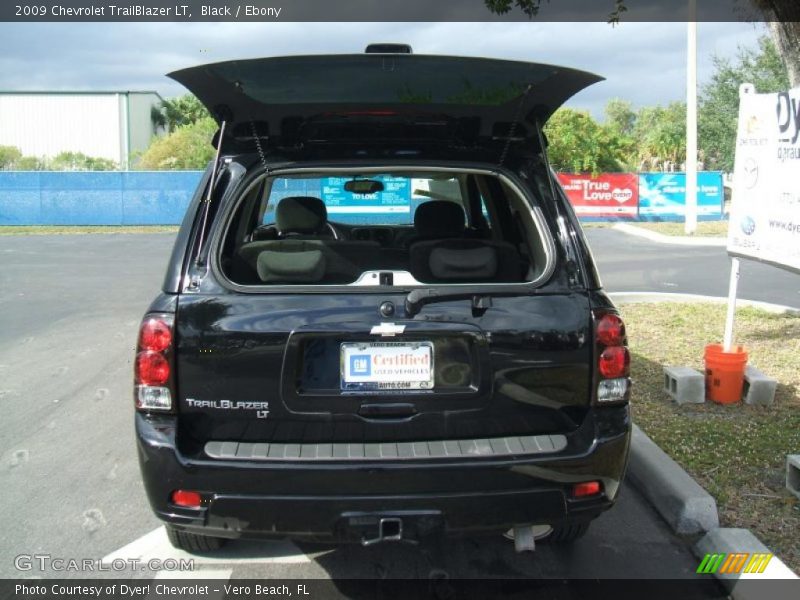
<point>690,223</point>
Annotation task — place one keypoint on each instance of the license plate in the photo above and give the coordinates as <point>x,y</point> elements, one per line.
<point>387,366</point>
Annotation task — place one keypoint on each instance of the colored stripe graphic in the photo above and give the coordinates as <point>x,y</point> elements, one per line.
<point>710,563</point>
<point>758,563</point>
<point>734,563</point>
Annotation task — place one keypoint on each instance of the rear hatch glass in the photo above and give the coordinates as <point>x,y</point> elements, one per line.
<point>449,228</point>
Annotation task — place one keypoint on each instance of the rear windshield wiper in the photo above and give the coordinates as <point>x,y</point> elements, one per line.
<point>418,298</point>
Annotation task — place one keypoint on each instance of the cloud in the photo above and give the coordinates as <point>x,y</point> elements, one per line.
<point>642,62</point>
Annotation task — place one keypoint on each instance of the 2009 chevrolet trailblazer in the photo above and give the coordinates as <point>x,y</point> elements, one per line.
<point>381,319</point>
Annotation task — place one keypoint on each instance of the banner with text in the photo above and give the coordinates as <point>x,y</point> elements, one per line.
<point>765,208</point>
<point>604,195</point>
<point>663,195</point>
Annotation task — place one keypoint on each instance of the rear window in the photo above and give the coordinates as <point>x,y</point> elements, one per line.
<point>396,204</point>
<point>409,228</point>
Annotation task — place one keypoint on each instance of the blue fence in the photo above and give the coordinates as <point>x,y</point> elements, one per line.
<point>161,198</point>
<point>95,198</point>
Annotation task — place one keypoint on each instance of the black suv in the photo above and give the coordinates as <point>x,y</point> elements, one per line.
<point>381,319</point>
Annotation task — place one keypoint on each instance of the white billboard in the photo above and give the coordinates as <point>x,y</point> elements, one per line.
<point>765,210</point>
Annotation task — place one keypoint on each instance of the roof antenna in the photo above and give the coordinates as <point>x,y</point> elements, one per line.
<point>513,129</point>
<point>211,184</point>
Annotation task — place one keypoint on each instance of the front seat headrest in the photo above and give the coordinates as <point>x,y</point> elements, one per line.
<point>439,218</point>
<point>301,214</point>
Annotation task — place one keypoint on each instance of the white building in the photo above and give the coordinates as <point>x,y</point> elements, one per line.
<point>112,125</point>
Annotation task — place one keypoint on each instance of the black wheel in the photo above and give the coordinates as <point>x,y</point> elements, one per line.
<point>193,542</point>
<point>567,532</point>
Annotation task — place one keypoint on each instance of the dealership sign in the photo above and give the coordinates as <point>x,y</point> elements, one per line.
<point>765,209</point>
<point>663,195</point>
<point>606,195</point>
<point>394,198</point>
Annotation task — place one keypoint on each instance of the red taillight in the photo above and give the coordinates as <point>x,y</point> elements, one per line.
<point>586,488</point>
<point>151,368</point>
<point>186,498</point>
<point>610,330</point>
<point>155,335</point>
<point>614,362</point>
<point>613,359</point>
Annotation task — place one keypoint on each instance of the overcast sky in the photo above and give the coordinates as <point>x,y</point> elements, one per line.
<point>644,63</point>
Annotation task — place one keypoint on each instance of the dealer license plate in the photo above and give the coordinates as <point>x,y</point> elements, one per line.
<point>387,366</point>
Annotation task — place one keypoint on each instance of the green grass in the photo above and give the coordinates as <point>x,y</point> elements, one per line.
<point>704,228</point>
<point>72,229</point>
<point>596,225</point>
<point>737,452</point>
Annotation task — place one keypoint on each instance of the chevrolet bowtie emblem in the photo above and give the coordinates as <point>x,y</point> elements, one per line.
<point>387,329</point>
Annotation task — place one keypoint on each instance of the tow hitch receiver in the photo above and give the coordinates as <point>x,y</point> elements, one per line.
<point>390,529</point>
<point>408,526</point>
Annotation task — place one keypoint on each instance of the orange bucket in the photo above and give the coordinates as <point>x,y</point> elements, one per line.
<point>725,373</point>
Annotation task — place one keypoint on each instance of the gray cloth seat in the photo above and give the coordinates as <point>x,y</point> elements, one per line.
<point>438,219</point>
<point>295,250</point>
<point>298,217</point>
<point>309,261</point>
<point>465,261</point>
<point>442,254</point>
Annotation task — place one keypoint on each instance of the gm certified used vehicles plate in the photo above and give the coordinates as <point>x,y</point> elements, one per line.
<point>381,319</point>
<point>376,366</point>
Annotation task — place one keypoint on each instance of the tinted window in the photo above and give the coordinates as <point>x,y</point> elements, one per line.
<point>395,205</point>
<point>422,227</point>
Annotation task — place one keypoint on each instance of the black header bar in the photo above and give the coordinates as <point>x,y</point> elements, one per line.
<point>374,11</point>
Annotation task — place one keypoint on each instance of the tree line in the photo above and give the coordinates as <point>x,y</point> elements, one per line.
<point>12,159</point>
<point>653,138</point>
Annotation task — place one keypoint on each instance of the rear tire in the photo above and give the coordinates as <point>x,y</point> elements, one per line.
<point>567,532</point>
<point>193,542</point>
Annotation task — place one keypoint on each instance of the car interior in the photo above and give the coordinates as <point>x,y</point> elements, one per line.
<point>452,228</point>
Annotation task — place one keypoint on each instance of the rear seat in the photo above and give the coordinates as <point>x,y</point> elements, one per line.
<point>442,253</point>
<point>309,261</point>
<point>465,261</point>
<point>302,252</point>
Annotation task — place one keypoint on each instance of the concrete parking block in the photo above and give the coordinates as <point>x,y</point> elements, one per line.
<point>680,500</point>
<point>684,385</point>
<point>793,473</point>
<point>759,389</point>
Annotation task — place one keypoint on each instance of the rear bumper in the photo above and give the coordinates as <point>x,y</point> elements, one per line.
<point>342,500</point>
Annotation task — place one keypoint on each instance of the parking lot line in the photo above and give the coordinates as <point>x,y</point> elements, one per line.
<point>155,545</point>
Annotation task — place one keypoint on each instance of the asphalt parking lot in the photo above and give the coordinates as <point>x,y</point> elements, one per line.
<point>69,311</point>
<point>633,264</point>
